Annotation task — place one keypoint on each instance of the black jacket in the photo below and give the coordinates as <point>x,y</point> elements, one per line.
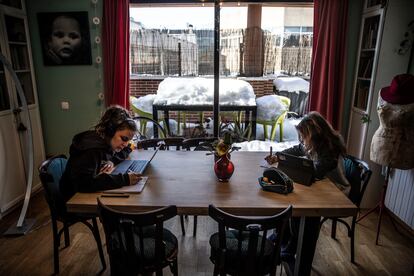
<point>87,153</point>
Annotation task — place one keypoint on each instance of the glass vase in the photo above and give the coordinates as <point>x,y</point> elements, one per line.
<point>223,168</point>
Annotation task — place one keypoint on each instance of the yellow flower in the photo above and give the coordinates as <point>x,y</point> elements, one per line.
<point>222,148</point>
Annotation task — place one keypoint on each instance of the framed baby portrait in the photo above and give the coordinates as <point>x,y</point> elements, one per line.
<point>65,38</point>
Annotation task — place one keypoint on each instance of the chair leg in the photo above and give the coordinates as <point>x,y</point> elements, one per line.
<point>182,224</point>
<point>55,246</point>
<point>195,226</point>
<point>66,233</point>
<point>353,240</point>
<point>333,230</point>
<point>98,242</point>
<point>174,267</point>
<point>216,270</point>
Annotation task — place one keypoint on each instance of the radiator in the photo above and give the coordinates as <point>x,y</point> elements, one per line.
<point>400,195</point>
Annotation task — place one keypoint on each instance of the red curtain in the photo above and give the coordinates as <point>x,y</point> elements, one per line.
<point>329,59</point>
<point>115,36</point>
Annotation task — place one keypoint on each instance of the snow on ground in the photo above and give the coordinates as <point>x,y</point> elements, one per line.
<point>291,84</point>
<point>200,91</point>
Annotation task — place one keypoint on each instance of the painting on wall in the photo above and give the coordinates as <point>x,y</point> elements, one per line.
<point>65,38</point>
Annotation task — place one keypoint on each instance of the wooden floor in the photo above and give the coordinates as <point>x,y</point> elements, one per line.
<point>32,254</point>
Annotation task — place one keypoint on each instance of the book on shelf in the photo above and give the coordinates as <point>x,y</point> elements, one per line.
<point>368,68</point>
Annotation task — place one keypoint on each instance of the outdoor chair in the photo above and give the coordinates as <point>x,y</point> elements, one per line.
<point>358,174</point>
<point>276,122</point>
<point>50,173</point>
<point>138,243</point>
<point>244,248</point>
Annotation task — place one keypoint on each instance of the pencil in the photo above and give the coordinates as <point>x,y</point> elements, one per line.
<point>271,149</point>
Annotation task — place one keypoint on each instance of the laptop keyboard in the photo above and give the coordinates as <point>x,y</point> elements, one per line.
<point>137,165</point>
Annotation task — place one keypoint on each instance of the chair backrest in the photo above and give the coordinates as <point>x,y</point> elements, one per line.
<point>358,174</point>
<point>252,263</point>
<point>164,143</point>
<point>50,173</point>
<point>198,144</point>
<point>285,101</point>
<point>130,237</point>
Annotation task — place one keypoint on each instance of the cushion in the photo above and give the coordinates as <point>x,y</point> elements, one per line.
<point>353,175</point>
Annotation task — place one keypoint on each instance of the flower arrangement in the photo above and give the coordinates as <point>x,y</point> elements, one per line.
<point>223,146</point>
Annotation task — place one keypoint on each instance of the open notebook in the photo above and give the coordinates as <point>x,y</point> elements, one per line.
<point>132,189</point>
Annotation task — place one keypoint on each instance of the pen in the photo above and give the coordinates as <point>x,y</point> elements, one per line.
<point>115,195</point>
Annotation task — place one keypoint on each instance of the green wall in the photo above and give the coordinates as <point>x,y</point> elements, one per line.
<point>79,85</point>
<point>354,25</point>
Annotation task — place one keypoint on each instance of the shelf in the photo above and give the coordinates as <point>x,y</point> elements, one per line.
<point>18,43</point>
<point>368,50</point>
<point>364,79</point>
<point>23,71</point>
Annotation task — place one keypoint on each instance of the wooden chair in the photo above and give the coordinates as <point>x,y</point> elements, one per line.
<point>163,143</point>
<point>197,144</point>
<point>244,249</point>
<point>50,173</point>
<point>138,243</point>
<point>358,174</point>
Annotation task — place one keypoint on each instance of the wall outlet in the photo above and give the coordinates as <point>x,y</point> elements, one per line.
<point>64,105</point>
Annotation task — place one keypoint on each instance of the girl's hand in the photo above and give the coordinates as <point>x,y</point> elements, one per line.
<point>107,167</point>
<point>271,159</point>
<point>134,178</point>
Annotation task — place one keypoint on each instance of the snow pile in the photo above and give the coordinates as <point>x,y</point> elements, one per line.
<point>291,84</point>
<point>269,108</point>
<point>144,103</point>
<point>200,91</point>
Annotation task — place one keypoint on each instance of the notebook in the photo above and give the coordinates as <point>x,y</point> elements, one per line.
<point>132,189</point>
<point>299,169</point>
<point>137,166</point>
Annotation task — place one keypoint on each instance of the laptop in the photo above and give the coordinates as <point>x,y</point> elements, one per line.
<point>131,189</point>
<point>137,166</point>
<point>299,169</point>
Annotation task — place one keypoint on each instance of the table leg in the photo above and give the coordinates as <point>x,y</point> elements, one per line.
<point>167,121</point>
<point>155,118</point>
<point>254,115</point>
<point>305,250</point>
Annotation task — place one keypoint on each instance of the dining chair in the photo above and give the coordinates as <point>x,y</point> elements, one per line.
<point>138,243</point>
<point>163,143</point>
<point>358,174</point>
<point>243,248</point>
<point>50,173</point>
<point>196,144</point>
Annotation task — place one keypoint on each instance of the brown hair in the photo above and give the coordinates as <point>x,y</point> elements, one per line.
<point>115,118</point>
<point>319,133</point>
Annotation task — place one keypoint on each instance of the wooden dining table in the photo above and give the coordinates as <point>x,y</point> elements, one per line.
<point>186,179</point>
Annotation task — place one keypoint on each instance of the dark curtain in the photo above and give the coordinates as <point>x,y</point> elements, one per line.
<point>329,59</point>
<point>115,37</point>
